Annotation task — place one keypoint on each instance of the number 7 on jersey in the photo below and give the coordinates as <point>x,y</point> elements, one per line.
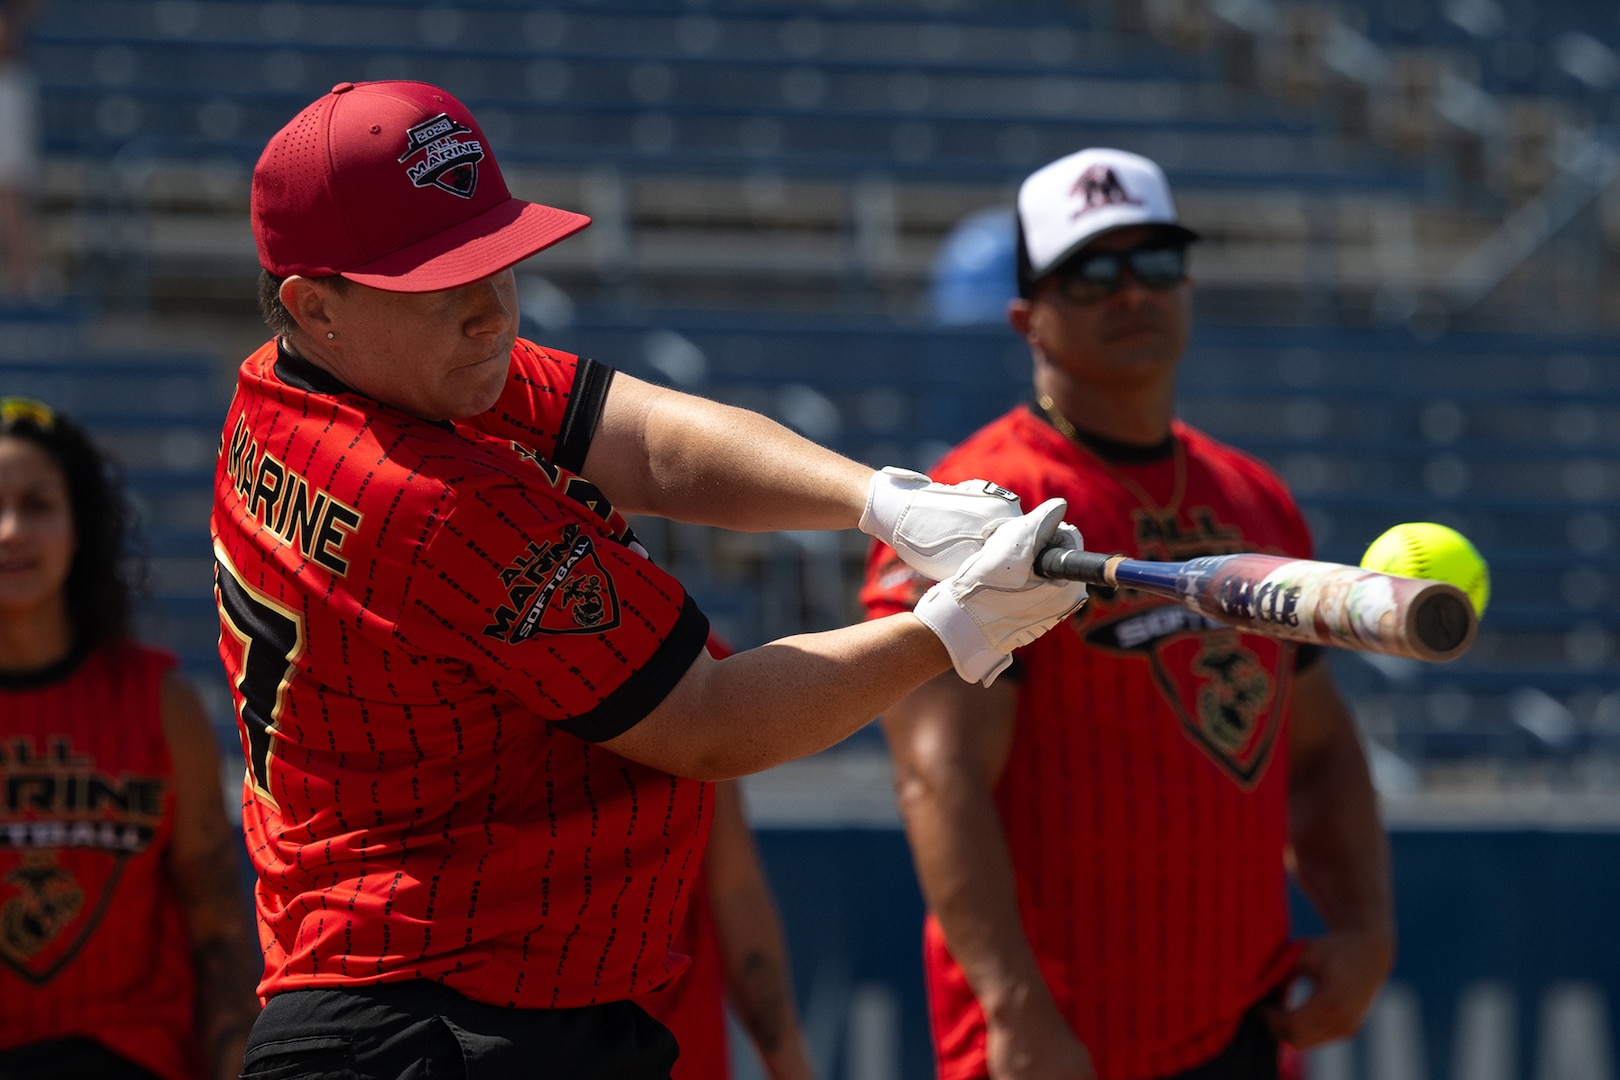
<point>270,637</point>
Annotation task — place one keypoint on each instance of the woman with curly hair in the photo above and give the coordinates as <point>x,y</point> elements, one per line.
<point>125,947</point>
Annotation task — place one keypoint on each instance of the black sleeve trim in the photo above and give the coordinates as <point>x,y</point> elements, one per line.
<point>591,382</point>
<point>623,709</point>
<point>1305,656</point>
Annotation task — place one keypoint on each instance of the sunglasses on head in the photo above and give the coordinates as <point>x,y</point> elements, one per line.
<point>21,410</point>
<point>1086,279</point>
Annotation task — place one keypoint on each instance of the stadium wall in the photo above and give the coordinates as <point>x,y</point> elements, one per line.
<point>1509,965</point>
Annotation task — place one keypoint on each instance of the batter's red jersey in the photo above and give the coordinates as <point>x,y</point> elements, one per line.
<point>92,943</point>
<point>693,1005</point>
<point>426,627</point>
<point>1145,796</point>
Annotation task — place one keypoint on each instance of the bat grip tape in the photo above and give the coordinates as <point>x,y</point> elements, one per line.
<point>1092,567</point>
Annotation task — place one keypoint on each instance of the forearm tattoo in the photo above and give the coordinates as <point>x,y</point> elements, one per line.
<point>224,954</point>
<point>763,1002</point>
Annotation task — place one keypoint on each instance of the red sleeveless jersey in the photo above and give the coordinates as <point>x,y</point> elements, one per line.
<point>426,627</point>
<point>91,938</point>
<point>1145,797</point>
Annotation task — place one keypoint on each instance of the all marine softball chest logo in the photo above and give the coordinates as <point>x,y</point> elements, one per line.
<point>448,162</point>
<point>558,588</point>
<point>68,828</point>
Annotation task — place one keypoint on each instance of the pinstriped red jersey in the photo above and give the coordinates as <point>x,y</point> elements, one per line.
<point>427,627</point>
<point>92,942</point>
<point>1145,797</point>
<point>693,1006</point>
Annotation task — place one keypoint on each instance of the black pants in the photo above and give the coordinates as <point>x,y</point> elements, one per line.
<point>1251,1055</point>
<point>68,1059</point>
<point>423,1031</point>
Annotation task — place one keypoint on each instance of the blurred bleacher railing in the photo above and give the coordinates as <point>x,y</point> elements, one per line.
<point>1349,162</point>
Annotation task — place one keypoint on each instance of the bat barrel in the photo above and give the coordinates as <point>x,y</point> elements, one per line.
<point>1330,604</point>
<point>1442,622</point>
<point>1296,599</point>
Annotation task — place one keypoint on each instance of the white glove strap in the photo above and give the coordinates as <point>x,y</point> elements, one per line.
<point>887,496</point>
<point>974,658</point>
<point>933,527</point>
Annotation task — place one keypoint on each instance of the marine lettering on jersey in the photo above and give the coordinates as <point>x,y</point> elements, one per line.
<point>1162,536</point>
<point>55,798</point>
<point>287,504</point>
<point>555,588</point>
<point>447,162</point>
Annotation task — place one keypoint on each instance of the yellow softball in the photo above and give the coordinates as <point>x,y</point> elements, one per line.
<point>1422,549</point>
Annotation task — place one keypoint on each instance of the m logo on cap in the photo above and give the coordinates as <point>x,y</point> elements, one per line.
<point>449,164</point>
<point>1098,186</point>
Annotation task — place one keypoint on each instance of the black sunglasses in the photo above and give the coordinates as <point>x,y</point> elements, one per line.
<point>1089,278</point>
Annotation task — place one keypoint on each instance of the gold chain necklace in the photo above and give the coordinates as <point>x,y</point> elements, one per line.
<point>1178,457</point>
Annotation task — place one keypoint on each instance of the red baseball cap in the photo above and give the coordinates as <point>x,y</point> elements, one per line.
<point>393,185</point>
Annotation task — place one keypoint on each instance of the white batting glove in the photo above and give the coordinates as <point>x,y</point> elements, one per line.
<point>996,603</point>
<point>933,527</point>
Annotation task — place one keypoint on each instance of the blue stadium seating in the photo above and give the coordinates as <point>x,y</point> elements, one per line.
<point>1510,437</point>
<point>660,86</point>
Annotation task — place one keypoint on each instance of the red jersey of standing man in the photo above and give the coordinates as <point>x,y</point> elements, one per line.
<point>1101,836</point>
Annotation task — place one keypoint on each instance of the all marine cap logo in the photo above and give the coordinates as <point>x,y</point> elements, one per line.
<point>449,164</point>
<point>1099,186</point>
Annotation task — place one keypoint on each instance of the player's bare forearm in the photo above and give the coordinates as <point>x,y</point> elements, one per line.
<point>966,876</point>
<point>949,741</point>
<point>225,956</point>
<point>752,946</point>
<point>966,873</point>
<point>677,456</point>
<point>203,857</point>
<point>1342,859</point>
<point>763,999</point>
<point>782,701</point>
<point>226,966</point>
<point>1340,852</point>
<point>1340,848</point>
